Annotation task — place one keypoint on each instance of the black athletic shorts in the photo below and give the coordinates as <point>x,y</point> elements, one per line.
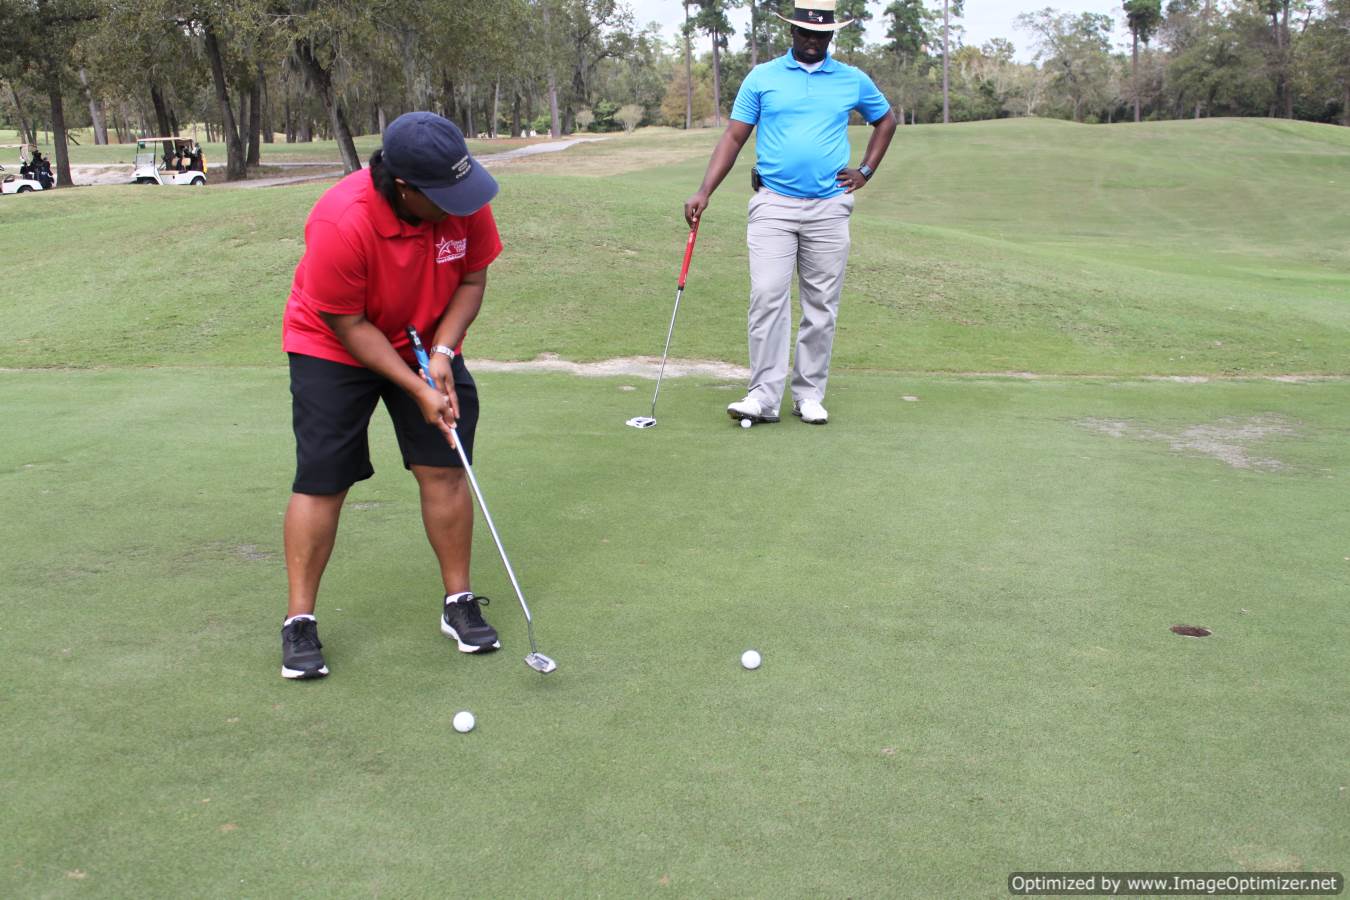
<point>331,406</point>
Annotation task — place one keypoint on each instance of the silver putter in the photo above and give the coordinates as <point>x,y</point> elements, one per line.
<point>535,660</point>
<point>649,421</point>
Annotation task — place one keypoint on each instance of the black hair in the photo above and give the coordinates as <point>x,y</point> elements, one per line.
<point>383,179</point>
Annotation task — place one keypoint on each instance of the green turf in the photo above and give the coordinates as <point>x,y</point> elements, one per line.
<point>962,587</point>
<point>963,603</point>
<point>1174,248</point>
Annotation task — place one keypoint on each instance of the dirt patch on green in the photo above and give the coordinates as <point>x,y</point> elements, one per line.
<point>615,155</point>
<point>1229,440</point>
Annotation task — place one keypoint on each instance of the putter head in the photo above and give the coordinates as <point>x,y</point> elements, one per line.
<point>640,422</point>
<point>540,663</point>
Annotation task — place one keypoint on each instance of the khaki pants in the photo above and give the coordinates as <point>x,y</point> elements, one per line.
<point>811,237</point>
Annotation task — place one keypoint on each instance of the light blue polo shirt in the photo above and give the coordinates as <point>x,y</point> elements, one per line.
<point>802,121</point>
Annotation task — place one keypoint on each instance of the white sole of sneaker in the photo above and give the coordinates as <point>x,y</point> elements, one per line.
<point>737,414</point>
<point>798,414</point>
<point>467,648</point>
<point>304,673</point>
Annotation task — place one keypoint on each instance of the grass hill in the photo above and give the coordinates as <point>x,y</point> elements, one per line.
<point>1205,247</point>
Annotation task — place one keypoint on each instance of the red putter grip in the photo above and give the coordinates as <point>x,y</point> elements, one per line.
<point>688,254</point>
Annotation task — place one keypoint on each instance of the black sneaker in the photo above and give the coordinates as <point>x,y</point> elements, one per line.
<point>463,620</point>
<point>300,656</point>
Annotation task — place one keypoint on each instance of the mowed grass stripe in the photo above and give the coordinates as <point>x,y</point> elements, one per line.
<point>1171,248</point>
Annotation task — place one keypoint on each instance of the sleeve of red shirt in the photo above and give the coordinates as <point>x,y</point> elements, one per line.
<point>335,270</point>
<point>484,243</point>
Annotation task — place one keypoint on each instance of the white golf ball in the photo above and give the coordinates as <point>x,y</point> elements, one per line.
<point>745,423</point>
<point>463,721</point>
<point>750,659</point>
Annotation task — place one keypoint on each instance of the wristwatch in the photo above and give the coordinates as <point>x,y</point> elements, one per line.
<point>866,171</point>
<point>444,351</point>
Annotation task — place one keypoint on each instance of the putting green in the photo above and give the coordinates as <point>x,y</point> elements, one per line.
<point>962,600</point>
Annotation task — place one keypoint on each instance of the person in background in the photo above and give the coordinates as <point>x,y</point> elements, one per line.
<point>799,215</point>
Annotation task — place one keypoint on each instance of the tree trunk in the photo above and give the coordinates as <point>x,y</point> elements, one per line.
<point>688,72</point>
<point>321,81</point>
<point>717,82</point>
<point>946,55</point>
<point>383,122</point>
<point>96,117</point>
<point>58,127</point>
<point>1345,106</point>
<point>407,45</point>
<point>448,93</point>
<point>146,129</point>
<point>1286,60</point>
<point>515,114</point>
<point>266,107</point>
<point>235,168</point>
<point>26,130</point>
<point>469,130</point>
<point>754,37</point>
<point>1135,76</point>
<point>116,115</point>
<point>162,124</point>
<point>496,108</point>
<point>255,123</point>
<point>554,127</point>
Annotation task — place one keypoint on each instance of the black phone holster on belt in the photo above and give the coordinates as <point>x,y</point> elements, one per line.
<point>755,182</point>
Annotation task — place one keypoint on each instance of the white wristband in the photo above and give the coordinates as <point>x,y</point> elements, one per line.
<point>444,351</point>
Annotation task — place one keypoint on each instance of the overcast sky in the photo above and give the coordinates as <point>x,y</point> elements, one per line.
<point>984,19</point>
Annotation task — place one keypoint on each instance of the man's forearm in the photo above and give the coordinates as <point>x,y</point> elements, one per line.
<point>880,141</point>
<point>723,158</point>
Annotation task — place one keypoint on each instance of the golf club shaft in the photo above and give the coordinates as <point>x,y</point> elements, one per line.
<point>425,362</point>
<point>666,352</point>
<point>496,539</point>
<point>679,292</point>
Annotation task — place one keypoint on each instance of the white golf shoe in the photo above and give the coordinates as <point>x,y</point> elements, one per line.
<point>811,412</point>
<point>752,409</point>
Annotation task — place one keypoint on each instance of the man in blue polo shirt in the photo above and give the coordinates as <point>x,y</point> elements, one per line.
<point>799,214</point>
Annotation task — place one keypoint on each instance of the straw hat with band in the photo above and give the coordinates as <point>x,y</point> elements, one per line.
<point>815,15</point>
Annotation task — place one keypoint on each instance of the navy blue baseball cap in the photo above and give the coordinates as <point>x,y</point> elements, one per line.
<point>428,152</point>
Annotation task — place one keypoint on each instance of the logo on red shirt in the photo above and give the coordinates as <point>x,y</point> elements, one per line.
<point>448,250</point>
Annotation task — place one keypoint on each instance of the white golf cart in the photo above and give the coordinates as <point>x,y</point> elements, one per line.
<point>182,162</point>
<point>25,180</point>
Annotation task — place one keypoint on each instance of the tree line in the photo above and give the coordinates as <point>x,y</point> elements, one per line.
<point>247,71</point>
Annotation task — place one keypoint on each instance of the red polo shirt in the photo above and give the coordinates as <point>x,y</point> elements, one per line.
<point>361,258</point>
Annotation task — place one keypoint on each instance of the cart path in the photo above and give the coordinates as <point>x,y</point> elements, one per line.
<point>120,173</point>
<point>487,160</point>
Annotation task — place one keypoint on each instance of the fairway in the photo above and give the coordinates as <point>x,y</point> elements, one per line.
<point>1090,383</point>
